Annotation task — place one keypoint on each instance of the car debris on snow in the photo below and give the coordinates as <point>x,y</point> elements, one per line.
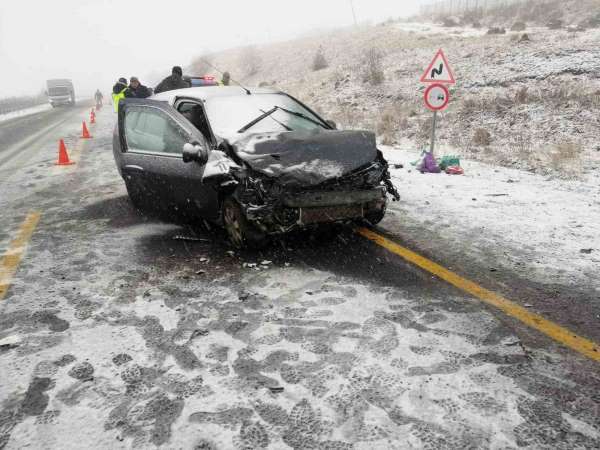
<point>9,342</point>
<point>200,332</point>
<point>189,239</point>
<point>511,341</point>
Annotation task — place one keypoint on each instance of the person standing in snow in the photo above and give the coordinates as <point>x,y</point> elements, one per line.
<point>98,97</point>
<point>226,79</point>
<point>172,82</point>
<point>136,89</point>
<point>119,92</point>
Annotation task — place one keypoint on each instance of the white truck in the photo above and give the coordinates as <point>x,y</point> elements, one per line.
<point>60,92</point>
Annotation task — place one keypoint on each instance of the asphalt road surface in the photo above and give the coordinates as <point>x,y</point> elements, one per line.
<point>129,329</point>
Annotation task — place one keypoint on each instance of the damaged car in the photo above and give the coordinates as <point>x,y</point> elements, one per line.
<point>257,162</point>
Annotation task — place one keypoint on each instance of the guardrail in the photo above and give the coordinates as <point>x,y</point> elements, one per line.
<point>11,104</point>
<point>452,7</point>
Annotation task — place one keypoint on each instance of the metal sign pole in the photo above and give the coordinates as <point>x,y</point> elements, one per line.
<point>353,12</point>
<point>433,124</point>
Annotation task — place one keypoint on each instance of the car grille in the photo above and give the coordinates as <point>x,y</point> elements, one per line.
<point>310,216</point>
<point>333,198</point>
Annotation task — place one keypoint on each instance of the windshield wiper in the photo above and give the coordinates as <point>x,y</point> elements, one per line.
<point>261,117</point>
<point>304,116</point>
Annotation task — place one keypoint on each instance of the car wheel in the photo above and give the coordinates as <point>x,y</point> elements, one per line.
<point>135,194</point>
<point>241,232</point>
<point>375,216</point>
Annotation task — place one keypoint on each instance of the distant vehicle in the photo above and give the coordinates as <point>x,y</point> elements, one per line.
<point>60,92</point>
<point>206,80</point>
<point>257,162</point>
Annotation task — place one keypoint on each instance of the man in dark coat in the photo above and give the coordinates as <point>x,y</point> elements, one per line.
<point>136,89</point>
<point>175,81</point>
<point>226,79</point>
<point>119,86</point>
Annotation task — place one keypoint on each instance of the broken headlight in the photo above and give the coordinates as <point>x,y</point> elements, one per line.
<point>374,175</point>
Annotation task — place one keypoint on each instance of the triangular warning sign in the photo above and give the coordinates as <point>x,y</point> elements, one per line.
<point>439,71</point>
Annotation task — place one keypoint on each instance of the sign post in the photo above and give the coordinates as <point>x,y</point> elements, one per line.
<point>433,124</point>
<point>437,96</point>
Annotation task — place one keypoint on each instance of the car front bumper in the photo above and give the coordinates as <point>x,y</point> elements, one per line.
<point>62,100</point>
<point>314,208</point>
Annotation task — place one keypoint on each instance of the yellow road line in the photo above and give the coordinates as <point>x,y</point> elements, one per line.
<point>550,329</point>
<point>12,257</point>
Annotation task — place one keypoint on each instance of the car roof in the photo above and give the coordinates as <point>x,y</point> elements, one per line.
<point>207,92</point>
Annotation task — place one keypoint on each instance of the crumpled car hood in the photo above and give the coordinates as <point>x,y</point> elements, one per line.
<point>306,158</point>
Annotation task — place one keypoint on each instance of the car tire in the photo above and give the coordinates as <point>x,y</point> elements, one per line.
<point>135,195</point>
<point>242,233</point>
<point>373,217</point>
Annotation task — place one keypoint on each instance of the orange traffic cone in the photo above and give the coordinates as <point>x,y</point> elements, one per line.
<point>85,134</point>
<point>63,156</point>
<point>92,117</point>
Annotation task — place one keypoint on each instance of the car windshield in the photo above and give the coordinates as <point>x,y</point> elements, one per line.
<point>229,114</point>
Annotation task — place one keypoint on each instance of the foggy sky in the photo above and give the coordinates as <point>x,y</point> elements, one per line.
<point>96,41</point>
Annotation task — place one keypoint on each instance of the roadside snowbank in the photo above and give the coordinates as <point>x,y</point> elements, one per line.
<point>25,112</point>
<point>546,229</point>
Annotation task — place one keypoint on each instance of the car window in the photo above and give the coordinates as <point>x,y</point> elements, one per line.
<point>152,130</point>
<point>131,131</point>
<point>228,114</point>
<point>194,113</point>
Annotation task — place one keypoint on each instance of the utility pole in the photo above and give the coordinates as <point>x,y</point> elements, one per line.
<point>353,12</point>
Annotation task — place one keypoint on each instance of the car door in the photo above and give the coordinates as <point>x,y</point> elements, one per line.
<point>152,137</point>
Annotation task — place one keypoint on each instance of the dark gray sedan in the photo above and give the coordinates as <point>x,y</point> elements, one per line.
<point>257,162</point>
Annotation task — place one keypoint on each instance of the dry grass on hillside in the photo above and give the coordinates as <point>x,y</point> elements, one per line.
<point>516,103</point>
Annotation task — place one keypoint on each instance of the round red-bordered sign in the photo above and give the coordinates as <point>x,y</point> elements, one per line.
<point>437,97</point>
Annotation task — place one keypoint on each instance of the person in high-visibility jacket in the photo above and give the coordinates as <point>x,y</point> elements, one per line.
<point>119,92</point>
<point>226,79</point>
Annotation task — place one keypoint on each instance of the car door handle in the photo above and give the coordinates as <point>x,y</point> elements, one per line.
<point>137,169</point>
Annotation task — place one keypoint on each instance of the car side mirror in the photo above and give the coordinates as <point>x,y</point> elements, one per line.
<point>194,152</point>
<point>332,124</point>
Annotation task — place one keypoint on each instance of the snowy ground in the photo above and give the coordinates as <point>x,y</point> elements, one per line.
<point>546,229</point>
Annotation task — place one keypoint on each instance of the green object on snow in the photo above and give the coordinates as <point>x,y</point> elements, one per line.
<point>449,161</point>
